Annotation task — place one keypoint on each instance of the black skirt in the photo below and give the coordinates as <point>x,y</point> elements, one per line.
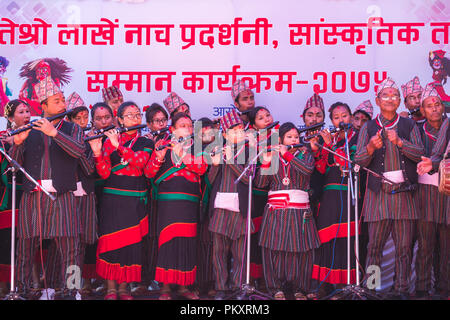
<point>122,225</point>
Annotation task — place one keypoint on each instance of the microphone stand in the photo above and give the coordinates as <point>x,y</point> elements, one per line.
<point>247,289</point>
<point>353,291</point>
<point>350,192</point>
<point>13,295</point>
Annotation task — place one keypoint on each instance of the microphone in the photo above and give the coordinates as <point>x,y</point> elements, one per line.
<point>413,111</point>
<point>345,126</point>
<point>409,188</point>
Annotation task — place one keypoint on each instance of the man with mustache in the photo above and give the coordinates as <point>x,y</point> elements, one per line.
<point>51,153</point>
<point>390,145</point>
<point>412,91</point>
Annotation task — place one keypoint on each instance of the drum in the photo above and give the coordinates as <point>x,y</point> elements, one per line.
<point>444,173</point>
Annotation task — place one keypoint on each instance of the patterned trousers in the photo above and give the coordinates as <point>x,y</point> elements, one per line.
<point>402,234</point>
<point>67,248</point>
<point>222,247</point>
<point>283,266</point>
<point>427,234</point>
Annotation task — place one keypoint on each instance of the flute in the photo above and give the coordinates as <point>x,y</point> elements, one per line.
<point>158,132</point>
<point>307,138</point>
<point>98,132</point>
<point>298,145</point>
<point>238,145</point>
<point>31,123</point>
<point>119,130</point>
<point>314,126</point>
<point>171,143</point>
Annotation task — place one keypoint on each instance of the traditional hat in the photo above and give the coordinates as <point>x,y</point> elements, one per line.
<point>111,93</point>
<point>74,101</point>
<point>365,107</point>
<point>429,91</point>
<point>230,119</point>
<point>46,88</point>
<point>386,83</point>
<point>238,87</point>
<point>411,87</point>
<point>172,102</point>
<point>315,101</point>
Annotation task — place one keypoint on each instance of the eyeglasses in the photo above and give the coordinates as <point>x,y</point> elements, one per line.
<point>391,98</point>
<point>159,121</point>
<point>133,116</point>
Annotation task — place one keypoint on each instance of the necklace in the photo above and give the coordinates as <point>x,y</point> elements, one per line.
<point>286,166</point>
<point>122,161</point>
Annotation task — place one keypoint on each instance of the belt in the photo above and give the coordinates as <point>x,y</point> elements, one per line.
<point>288,199</point>
<point>394,176</point>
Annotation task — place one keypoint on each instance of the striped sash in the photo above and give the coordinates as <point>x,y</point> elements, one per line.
<point>288,199</point>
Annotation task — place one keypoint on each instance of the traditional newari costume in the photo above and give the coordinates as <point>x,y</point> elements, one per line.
<point>238,87</point>
<point>330,261</point>
<point>85,193</point>
<point>123,219</point>
<point>411,87</point>
<point>317,177</point>
<point>260,196</point>
<point>435,217</point>
<point>53,162</point>
<point>384,211</point>
<point>288,233</point>
<point>228,213</point>
<point>178,194</point>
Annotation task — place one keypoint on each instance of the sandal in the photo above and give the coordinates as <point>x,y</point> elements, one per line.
<point>312,296</point>
<point>111,294</point>
<point>165,296</point>
<point>34,294</point>
<point>212,293</point>
<point>139,291</point>
<point>300,296</point>
<point>86,291</point>
<point>188,295</point>
<point>124,295</point>
<point>279,296</point>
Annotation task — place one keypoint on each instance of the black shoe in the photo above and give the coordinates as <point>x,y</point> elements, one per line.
<point>220,295</point>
